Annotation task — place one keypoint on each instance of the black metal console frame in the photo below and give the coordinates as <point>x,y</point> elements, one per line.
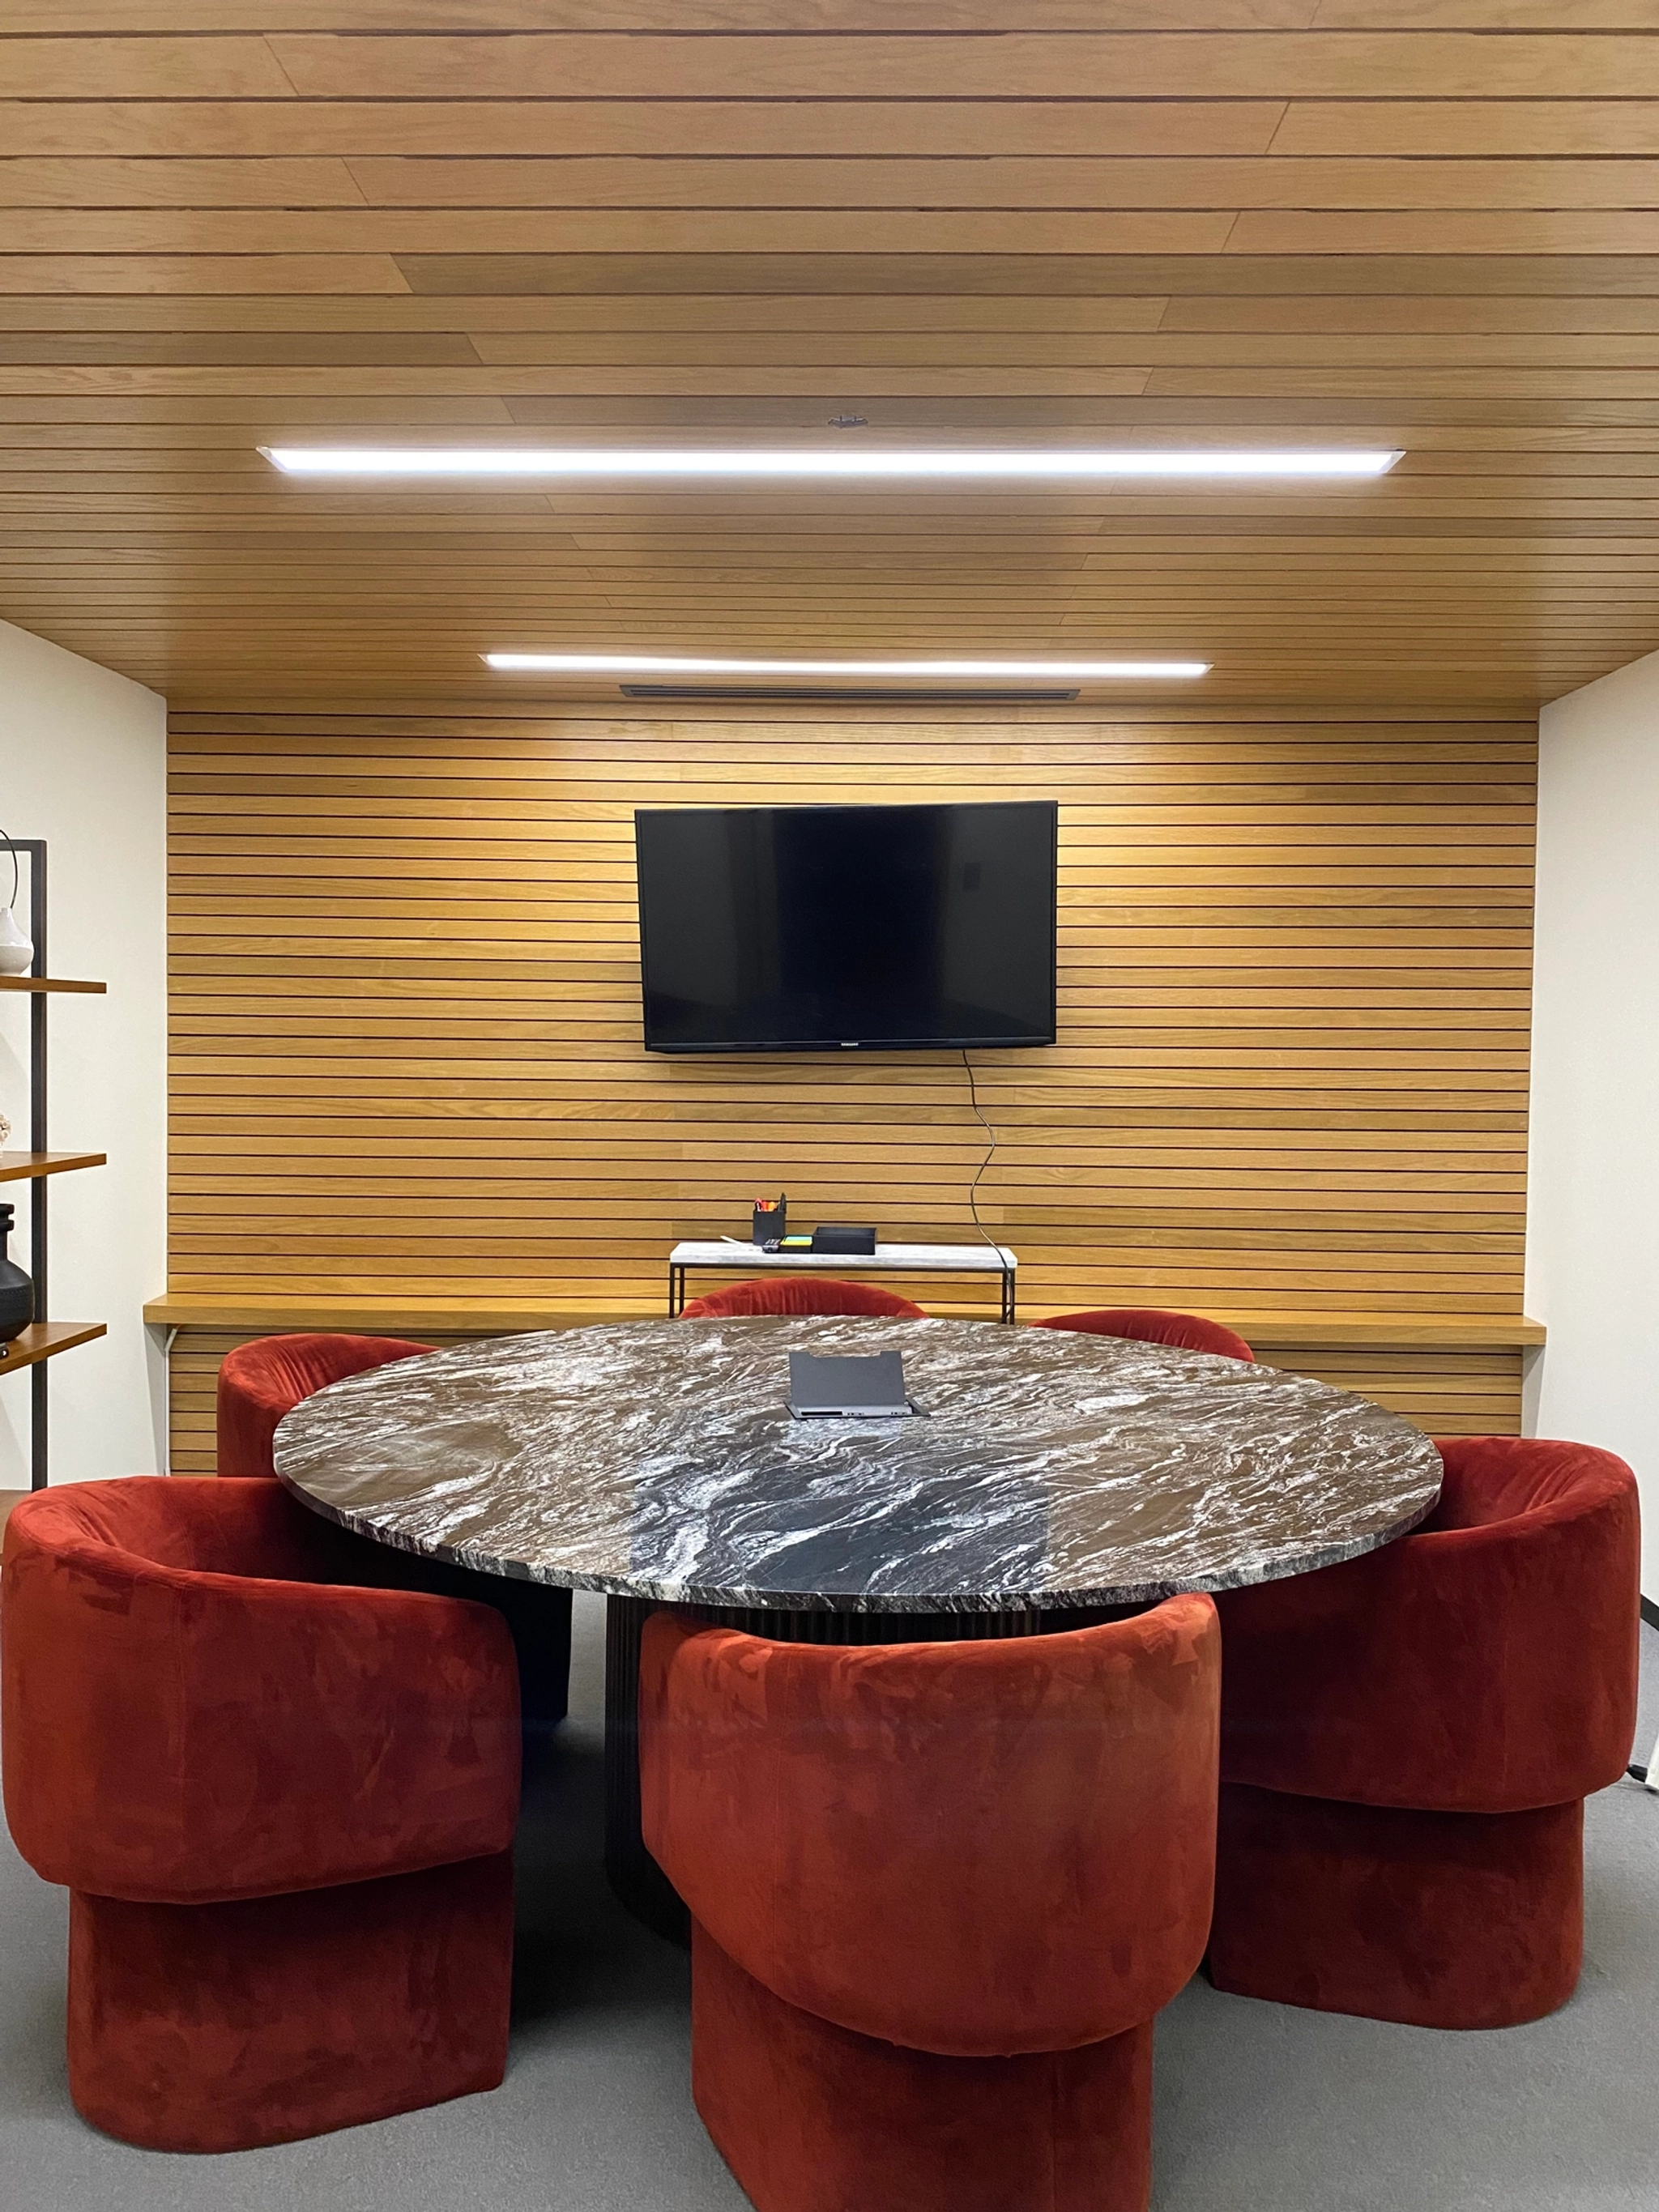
<point>35,848</point>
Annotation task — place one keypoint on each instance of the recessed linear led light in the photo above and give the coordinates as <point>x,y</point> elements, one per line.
<point>1053,463</point>
<point>641,663</point>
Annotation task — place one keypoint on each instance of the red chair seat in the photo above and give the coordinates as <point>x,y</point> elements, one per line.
<point>232,1760</point>
<point>802,1294</point>
<point>874,2123</point>
<point>1450,1920</point>
<point>221,2027</point>
<point>1149,1325</point>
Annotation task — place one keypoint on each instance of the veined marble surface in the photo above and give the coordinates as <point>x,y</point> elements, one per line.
<point>660,1459</point>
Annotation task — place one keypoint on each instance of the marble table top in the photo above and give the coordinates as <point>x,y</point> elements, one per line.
<point>660,1459</point>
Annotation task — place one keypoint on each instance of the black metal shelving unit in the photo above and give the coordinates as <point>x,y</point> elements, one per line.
<point>42,1339</point>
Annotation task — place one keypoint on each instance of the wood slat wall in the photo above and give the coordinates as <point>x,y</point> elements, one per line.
<point>1294,1005</point>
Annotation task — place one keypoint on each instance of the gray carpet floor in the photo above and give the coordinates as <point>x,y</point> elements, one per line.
<point>1260,2108</point>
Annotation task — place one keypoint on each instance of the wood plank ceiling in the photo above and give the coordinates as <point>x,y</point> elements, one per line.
<point>1433,223</point>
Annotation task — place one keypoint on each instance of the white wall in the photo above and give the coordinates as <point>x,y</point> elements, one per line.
<point>1593,1182</point>
<point>84,764</point>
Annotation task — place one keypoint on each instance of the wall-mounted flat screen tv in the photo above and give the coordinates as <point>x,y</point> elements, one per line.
<point>816,928</point>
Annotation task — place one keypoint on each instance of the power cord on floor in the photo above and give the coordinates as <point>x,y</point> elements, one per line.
<point>990,1152</point>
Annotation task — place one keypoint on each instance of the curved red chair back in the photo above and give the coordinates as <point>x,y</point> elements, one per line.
<point>803,1294</point>
<point>1488,1480</point>
<point>197,1706</point>
<point>260,1381</point>
<point>1149,1325</point>
<point>1485,1663</point>
<point>975,1848</point>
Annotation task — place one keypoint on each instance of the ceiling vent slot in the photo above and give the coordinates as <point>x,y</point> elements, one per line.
<point>910,695</point>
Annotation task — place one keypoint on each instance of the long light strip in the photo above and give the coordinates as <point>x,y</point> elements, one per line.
<point>851,461</point>
<point>639,664</point>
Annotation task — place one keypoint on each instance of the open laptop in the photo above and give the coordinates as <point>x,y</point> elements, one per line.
<point>850,1384</point>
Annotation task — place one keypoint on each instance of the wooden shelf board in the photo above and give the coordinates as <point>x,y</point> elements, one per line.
<point>486,1317</point>
<point>43,1339</point>
<point>16,1167</point>
<point>1387,1332</point>
<point>47,983</point>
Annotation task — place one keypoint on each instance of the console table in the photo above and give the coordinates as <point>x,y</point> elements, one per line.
<point>722,1259</point>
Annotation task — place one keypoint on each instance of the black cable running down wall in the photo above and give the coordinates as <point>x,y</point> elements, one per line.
<point>990,1150</point>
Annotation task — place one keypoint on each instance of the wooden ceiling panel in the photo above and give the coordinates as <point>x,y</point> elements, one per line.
<point>1464,129</point>
<point>146,67</point>
<point>290,275</point>
<point>1425,223</point>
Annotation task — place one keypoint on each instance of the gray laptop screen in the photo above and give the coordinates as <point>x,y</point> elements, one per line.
<point>871,1383</point>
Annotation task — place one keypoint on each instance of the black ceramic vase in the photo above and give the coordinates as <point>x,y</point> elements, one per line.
<point>16,1291</point>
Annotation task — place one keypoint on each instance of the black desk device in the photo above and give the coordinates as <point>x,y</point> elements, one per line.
<point>851,1243</point>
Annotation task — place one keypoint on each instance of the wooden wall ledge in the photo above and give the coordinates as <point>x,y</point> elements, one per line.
<point>492,1316</point>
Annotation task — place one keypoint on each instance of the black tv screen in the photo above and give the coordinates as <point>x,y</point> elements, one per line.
<point>806,928</point>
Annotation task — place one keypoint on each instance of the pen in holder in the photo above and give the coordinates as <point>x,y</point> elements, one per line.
<point>771,1220</point>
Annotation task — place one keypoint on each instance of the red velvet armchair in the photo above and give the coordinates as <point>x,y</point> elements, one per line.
<point>261,1380</point>
<point>284,1808</point>
<point>803,1294</point>
<point>1408,1740</point>
<point>1151,1325</point>
<point>938,1893</point>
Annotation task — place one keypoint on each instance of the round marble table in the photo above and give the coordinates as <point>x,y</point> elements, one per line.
<point>1051,1475</point>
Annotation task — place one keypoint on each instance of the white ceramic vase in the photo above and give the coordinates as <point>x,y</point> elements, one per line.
<point>16,951</point>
